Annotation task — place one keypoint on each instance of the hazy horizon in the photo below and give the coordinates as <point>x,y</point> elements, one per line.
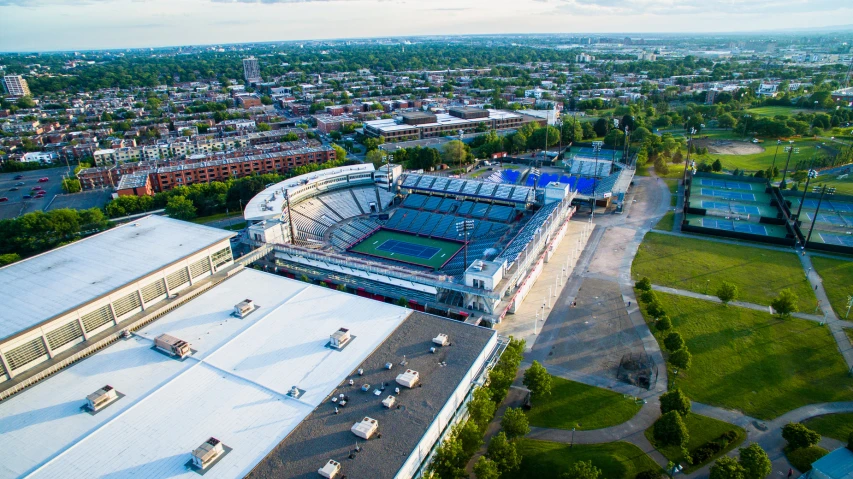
<point>61,25</point>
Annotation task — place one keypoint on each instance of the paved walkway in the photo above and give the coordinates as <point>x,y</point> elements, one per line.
<point>836,325</point>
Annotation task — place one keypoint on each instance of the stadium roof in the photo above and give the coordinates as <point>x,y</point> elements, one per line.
<point>325,435</point>
<point>272,196</point>
<point>44,286</point>
<point>233,387</point>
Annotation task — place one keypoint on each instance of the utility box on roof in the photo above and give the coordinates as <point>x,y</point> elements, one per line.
<point>205,454</point>
<point>172,345</point>
<point>340,338</point>
<point>408,378</point>
<point>330,469</point>
<point>365,428</point>
<point>100,398</point>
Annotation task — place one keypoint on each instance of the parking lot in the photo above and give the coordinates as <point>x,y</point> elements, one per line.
<point>17,205</point>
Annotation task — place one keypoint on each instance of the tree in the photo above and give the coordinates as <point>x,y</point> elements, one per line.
<point>9,258</point>
<point>470,436</point>
<point>717,166</point>
<point>71,185</point>
<point>601,127</point>
<point>726,120</point>
<point>377,157</point>
<point>664,323</point>
<point>264,126</point>
<point>266,100</point>
<point>181,208</point>
<point>582,470</point>
<point>537,379</point>
<point>785,303</point>
<point>455,152</point>
<point>727,292</point>
<point>485,468</point>
<point>755,462</point>
<point>640,134</point>
<point>449,461</point>
<point>655,309</point>
<point>340,153</point>
<point>514,423</point>
<point>799,436</point>
<point>645,284</point>
<point>673,341</point>
<point>402,302</point>
<point>675,400</point>
<point>681,358</point>
<point>503,453</point>
<point>669,430</point>
<point>481,408</point>
<point>727,468</point>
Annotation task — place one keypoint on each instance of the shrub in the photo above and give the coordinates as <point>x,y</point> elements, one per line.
<point>673,341</point>
<point>656,310</point>
<point>648,474</point>
<point>727,468</point>
<point>799,436</point>
<point>670,430</point>
<point>803,458</point>
<point>755,461</point>
<point>705,452</point>
<point>681,359</point>
<point>648,297</point>
<point>675,400</point>
<point>645,284</point>
<point>664,323</point>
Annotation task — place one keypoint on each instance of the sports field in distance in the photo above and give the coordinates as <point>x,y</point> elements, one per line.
<point>429,252</point>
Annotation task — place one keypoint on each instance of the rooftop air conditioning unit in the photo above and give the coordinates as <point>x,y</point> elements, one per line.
<point>101,398</point>
<point>408,378</point>
<point>389,402</point>
<point>208,452</point>
<point>330,469</point>
<point>440,340</point>
<point>172,345</point>
<point>365,428</point>
<point>340,338</point>
<point>243,308</point>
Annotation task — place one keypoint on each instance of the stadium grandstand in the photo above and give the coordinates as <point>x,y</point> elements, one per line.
<point>423,238</point>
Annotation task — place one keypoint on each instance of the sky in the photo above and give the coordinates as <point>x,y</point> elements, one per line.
<point>39,25</point>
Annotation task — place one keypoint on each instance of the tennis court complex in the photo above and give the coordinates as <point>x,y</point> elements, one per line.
<point>740,226</point>
<point>727,184</point>
<point>833,224</point>
<point>726,194</point>
<point>407,248</point>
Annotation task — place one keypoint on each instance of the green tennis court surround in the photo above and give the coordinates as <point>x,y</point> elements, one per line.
<point>407,248</point>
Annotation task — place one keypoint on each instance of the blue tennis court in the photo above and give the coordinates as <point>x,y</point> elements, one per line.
<point>729,195</point>
<point>812,205</point>
<point>827,218</point>
<point>739,226</point>
<point>840,206</point>
<point>409,249</point>
<point>842,240</point>
<point>742,209</point>
<point>734,185</point>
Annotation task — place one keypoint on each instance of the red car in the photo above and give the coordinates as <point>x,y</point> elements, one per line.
<point>43,180</point>
<point>2,199</point>
<point>36,188</point>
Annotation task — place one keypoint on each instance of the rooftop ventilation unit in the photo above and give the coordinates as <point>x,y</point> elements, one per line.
<point>365,428</point>
<point>340,338</point>
<point>440,340</point>
<point>330,469</point>
<point>408,378</point>
<point>243,308</point>
<point>207,453</point>
<point>389,402</point>
<point>295,392</point>
<point>172,346</point>
<point>101,398</point>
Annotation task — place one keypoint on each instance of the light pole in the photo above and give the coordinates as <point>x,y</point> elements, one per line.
<point>812,174</point>
<point>790,150</point>
<point>463,227</point>
<point>823,191</point>
<point>745,126</point>
<point>687,161</point>
<point>773,167</point>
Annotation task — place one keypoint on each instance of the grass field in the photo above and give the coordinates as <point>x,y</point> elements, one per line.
<point>617,460</point>
<point>442,250</point>
<point>701,266</point>
<point>573,404</point>
<point>837,426</point>
<point>772,111</point>
<point>667,222</point>
<point>702,429</point>
<point>750,361</point>
<point>837,276</point>
<point>842,187</point>
<point>763,160</point>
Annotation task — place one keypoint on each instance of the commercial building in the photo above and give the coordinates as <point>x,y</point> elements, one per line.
<point>251,70</point>
<point>58,300</point>
<point>16,85</point>
<point>269,359</point>
<point>420,125</point>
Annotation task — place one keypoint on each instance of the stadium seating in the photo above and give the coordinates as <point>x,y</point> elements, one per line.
<point>527,234</point>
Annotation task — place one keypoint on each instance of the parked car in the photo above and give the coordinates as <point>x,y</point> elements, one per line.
<point>36,188</point>
<point>19,177</point>
<point>14,188</point>
<point>28,197</point>
<point>20,183</point>
<point>3,198</point>
<point>44,180</point>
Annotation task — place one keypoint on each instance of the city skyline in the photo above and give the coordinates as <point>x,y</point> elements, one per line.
<point>106,24</point>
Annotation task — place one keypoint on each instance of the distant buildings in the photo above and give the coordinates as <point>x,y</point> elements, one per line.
<point>251,70</point>
<point>584,58</point>
<point>420,125</point>
<point>16,85</point>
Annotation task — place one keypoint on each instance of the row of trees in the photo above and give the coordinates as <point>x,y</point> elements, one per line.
<point>40,231</point>
<point>466,438</point>
<point>678,356</point>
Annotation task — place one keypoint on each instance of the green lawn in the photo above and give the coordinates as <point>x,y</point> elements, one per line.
<point>701,266</point>
<point>772,111</point>
<point>762,161</point>
<point>837,276</point>
<point>750,361</point>
<point>837,426</point>
<point>672,185</point>
<point>573,404</point>
<point>667,222</point>
<point>617,460</point>
<point>441,250</point>
<point>215,217</point>
<point>702,429</point>
<point>842,186</point>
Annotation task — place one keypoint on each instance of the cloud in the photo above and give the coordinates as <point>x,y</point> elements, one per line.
<point>690,7</point>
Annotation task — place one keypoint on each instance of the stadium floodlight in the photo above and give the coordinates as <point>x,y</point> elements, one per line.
<point>790,150</point>
<point>462,228</point>
<point>811,174</point>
